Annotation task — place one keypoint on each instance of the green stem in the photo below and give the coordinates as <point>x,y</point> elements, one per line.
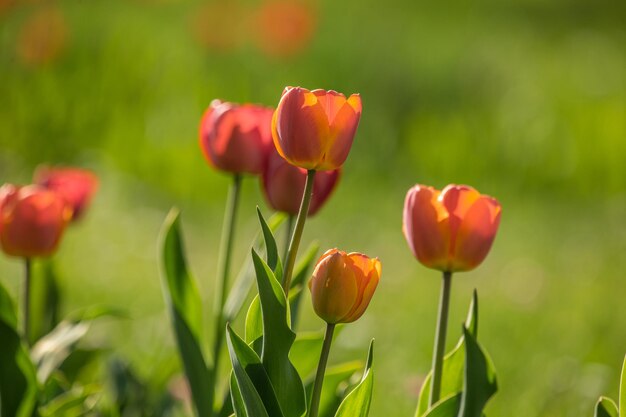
<point>26,307</point>
<point>321,369</point>
<point>297,233</point>
<point>440,337</point>
<point>288,232</point>
<point>226,247</point>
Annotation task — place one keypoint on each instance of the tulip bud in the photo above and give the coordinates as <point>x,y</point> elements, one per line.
<point>343,284</point>
<point>315,129</point>
<point>450,230</point>
<point>77,186</point>
<point>283,185</point>
<point>32,220</point>
<point>236,138</point>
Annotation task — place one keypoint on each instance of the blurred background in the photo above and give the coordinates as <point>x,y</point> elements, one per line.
<point>524,99</point>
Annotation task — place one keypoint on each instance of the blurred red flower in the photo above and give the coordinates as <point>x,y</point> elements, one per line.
<point>42,38</point>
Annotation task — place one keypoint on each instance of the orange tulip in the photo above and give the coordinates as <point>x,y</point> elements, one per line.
<point>450,230</point>
<point>236,138</point>
<point>32,220</point>
<point>76,185</point>
<point>283,185</point>
<point>343,284</point>
<point>315,129</point>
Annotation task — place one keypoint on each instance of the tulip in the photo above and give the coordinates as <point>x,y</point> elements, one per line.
<point>77,186</point>
<point>32,220</point>
<point>343,284</point>
<point>283,185</point>
<point>450,230</point>
<point>236,138</point>
<point>314,130</point>
<point>341,289</point>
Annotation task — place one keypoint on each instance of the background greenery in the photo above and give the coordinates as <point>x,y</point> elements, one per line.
<point>523,99</point>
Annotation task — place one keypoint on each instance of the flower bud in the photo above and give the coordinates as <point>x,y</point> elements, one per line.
<point>32,220</point>
<point>343,284</point>
<point>77,186</point>
<point>283,185</point>
<point>315,129</point>
<point>450,230</point>
<point>236,138</point>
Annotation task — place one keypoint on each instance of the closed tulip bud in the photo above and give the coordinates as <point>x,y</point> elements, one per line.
<point>315,129</point>
<point>343,284</point>
<point>236,138</point>
<point>77,186</point>
<point>283,185</point>
<point>450,230</point>
<point>32,220</point>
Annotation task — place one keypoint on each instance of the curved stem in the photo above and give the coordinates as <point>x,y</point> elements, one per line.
<point>321,369</point>
<point>440,338</point>
<point>226,246</point>
<point>26,306</point>
<point>297,233</point>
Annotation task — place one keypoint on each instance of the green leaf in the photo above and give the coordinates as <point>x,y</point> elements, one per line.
<point>245,278</point>
<point>71,403</point>
<point>622,391</point>
<point>480,378</point>
<point>181,296</point>
<point>254,321</point>
<point>302,272</point>
<point>335,386</point>
<point>453,372</point>
<point>302,352</point>
<point>237,400</point>
<point>447,407</point>
<point>357,403</point>
<point>277,341</point>
<point>18,382</point>
<point>605,407</point>
<point>254,384</point>
<point>271,249</point>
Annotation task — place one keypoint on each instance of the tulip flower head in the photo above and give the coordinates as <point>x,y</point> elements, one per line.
<point>236,138</point>
<point>77,186</point>
<point>450,230</point>
<point>32,220</point>
<point>343,284</point>
<point>315,129</point>
<point>283,185</point>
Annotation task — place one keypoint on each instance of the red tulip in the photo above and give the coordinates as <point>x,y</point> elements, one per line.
<point>315,129</point>
<point>32,220</point>
<point>343,285</point>
<point>236,138</point>
<point>450,230</point>
<point>283,185</point>
<point>76,185</point>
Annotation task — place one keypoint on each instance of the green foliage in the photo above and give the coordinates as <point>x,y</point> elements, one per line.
<point>185,306</point>
<point>605,407</point>
<point>622,391</point>
<point>357,403</point>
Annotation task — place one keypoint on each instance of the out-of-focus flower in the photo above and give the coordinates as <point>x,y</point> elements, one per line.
<point>236,138</point>
<point>283,185</point>
<point>220,25</point>
<point>284,27</point>
<point>32,220</point>
<point>343,285</point>
<point>43,37</point>
<point>76,185</point>
<point>450,230</point>
<point>5,5</point>
<point>315,129</point>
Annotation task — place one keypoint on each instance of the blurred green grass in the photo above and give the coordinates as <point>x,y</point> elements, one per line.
<point>525,100</point>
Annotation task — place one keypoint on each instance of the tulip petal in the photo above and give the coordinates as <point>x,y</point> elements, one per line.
<point>425,226</point>
<point>300,128</point>
<point>476,234</point>
<point>342,130</point>
<point>335,294</point>
<point>368,273</point>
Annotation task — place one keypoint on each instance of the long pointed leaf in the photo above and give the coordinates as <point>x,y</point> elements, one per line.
<point>185,308</point>
<point>622,391</point>
<point>357,403</point>
<point>277,340</point>
<point>605,407</point>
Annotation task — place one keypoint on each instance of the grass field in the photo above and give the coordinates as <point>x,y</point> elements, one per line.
<point>525,100</point>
